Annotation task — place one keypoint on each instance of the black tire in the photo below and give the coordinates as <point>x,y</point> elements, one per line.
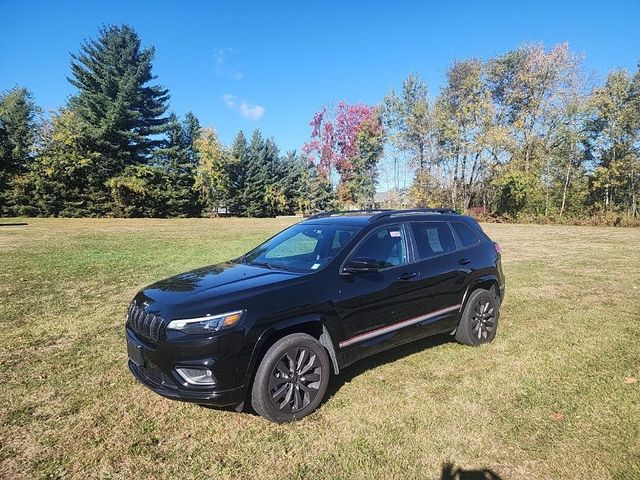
<point>291,379</point>
<point>479,321</point>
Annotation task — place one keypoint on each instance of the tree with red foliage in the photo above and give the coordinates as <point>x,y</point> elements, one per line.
<point>349,140</point>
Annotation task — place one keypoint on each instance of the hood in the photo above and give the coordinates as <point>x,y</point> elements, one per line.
<point>206,287</point>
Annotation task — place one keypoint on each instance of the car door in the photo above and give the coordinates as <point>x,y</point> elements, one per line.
<point>441,277</point>
<point>370,304</point>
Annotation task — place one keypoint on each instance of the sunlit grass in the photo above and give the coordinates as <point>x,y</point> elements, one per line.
<point>552,397</point>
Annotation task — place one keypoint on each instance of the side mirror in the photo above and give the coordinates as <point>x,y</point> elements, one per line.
<point>358,265</point>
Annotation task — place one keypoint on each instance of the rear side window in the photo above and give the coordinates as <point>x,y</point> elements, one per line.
<point>433,238</point>
<point>465,234</point>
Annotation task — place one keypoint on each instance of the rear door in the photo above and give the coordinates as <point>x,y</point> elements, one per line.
<point>441,276</point>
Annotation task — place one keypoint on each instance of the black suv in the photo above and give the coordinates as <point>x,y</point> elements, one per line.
<point>332,289</point>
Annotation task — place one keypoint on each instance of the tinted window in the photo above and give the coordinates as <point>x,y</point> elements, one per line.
<point>386,245</point>
<point>300,244</point>
<point>433,238</point>
<point>301,247</point>
<point>465,234</point>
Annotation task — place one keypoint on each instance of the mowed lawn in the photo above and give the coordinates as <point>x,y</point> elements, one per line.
<point>557,395</point>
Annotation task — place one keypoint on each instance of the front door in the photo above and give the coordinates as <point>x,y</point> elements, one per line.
<point>372,303</point>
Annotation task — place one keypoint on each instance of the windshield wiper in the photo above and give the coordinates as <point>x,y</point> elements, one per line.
<point>261,264</point>
<point>270,266</point>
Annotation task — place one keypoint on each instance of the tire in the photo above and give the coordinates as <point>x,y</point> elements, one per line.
<point>291,379</point>
<point>479,321</point>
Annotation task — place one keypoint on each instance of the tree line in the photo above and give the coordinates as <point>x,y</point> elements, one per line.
<point>525,135</point>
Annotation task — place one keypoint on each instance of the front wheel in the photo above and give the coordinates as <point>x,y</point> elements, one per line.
<point>292,379</point>
<point>479,321</point>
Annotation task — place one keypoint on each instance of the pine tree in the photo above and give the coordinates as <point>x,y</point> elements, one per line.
<point>275,197</point>
<point>256,178</point>
<point>322,197</point>
<point>292,173</point>
<point>17,135</point>
<point>178,159</point>
<point>123,112</point>
<point>190,131</point>
<point>238,162</point>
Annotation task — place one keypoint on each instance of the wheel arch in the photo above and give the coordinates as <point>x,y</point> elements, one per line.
<point>487,282</point>
<point>310,324</point>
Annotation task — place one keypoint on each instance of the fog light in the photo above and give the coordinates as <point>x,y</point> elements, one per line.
<point>196,376</point>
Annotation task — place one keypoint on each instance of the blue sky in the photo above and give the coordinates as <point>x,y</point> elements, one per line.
<point>272,64</point>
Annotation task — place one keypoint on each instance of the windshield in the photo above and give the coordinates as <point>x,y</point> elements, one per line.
<point>301,248</point>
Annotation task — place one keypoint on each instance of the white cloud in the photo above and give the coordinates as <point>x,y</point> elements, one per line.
<point>249,111</point>
<point>229,100</point>
<point>223,69</point>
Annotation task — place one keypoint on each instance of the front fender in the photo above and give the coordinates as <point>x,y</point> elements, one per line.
<point>305,324</point>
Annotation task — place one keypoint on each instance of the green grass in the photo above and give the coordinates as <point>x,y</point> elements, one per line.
<point>552,397</point>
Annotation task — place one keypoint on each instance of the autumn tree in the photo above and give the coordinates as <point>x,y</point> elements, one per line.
<point>62,179</point>
<point>348,141</point>
<point>409,121</point>
<point>614,129</point>
<point>464,120</point>
<point>212,178</point>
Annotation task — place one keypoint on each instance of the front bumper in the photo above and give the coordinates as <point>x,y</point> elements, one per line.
<point>154,367</point>
<point>153,381</point>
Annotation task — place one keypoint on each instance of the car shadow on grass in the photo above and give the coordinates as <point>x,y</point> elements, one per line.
<point>382,358</point>
<point>361,366</point>
<point>451,472</point>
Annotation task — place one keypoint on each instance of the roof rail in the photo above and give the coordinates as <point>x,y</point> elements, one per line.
<point>348,212</point>
<point>414,211</point>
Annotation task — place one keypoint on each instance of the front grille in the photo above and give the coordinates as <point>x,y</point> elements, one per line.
<point>146,325</point>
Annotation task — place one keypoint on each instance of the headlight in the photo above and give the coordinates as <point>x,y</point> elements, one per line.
<point>206,324</point>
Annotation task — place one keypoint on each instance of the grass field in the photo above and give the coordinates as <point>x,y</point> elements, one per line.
<point>555,396</point>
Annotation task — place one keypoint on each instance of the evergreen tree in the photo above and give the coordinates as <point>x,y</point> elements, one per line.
<point>292,174</point>
<point>172,153</point>
<point>275,197</point>
<point>237,173</point>
<point>256,179</point>
<point>190,131</point>
<point>179,160</point>
<point>17,136</point>
<point>322,197</point>
<point>123,112</point>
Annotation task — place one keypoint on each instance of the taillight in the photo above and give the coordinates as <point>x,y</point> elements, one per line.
<point>497,247</point>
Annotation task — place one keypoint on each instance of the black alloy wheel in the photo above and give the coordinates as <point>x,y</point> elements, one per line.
<point>483,321</point>
<point>479,319</point>
<point>295,380</point>
<point>291,379</point>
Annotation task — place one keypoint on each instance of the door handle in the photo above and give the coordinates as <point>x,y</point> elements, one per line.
<point>464,261</point>
<point>407,275</point>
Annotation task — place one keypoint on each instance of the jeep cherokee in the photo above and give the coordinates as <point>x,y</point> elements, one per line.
<point>272,325</point>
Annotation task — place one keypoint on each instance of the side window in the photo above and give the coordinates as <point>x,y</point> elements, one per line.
<point>465,234</point>
<point>387,245</point>
<point>432,238</point>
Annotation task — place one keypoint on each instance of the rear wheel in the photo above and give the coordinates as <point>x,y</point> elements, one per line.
<point>292,379</point>
<point>479,321</point>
